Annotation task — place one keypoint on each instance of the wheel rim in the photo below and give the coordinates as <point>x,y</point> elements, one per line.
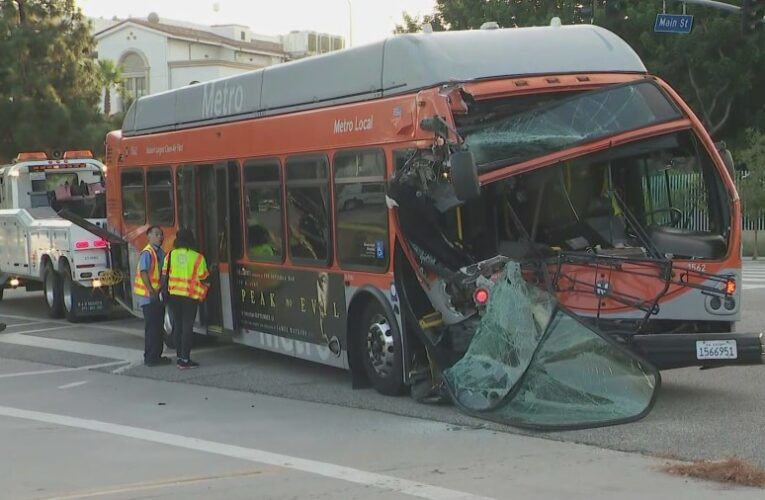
<point>68,293</point>
<point>49,289</point>
<point>381,348</point>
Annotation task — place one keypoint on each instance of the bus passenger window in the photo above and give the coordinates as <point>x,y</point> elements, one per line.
<point>361,214</point>
<point>308,212</point>
<point>263,218</point>
<point>133,197</point>
<point>160,188</point>
<point>186,193</point>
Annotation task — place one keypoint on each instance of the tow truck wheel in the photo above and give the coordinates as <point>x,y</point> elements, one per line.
<point>52,288</point>
<point>68,295</point>
<point>382,355</point>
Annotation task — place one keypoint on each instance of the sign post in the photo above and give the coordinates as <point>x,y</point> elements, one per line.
<point>673,23</point>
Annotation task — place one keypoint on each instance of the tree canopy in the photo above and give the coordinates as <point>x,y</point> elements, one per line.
<point>49,86</point>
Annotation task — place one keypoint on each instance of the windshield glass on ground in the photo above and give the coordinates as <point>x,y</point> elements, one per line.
<point>508,131</point>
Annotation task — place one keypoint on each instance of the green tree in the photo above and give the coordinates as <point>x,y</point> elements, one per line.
<point>109,75</point>
<point>49,87</point>
<point>752,187</point>
<point>716,69</point>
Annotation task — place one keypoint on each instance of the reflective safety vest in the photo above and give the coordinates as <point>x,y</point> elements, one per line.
<point>138,286</point>
<point>187,270</point>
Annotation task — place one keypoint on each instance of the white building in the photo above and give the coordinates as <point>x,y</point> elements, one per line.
<point>162,55</point>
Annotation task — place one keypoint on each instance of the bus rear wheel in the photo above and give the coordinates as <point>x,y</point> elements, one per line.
<point>52,289</point>
<point>382,354</point>
<point>69,293</point>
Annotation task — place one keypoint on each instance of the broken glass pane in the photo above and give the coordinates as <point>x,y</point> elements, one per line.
<point>532,364</point>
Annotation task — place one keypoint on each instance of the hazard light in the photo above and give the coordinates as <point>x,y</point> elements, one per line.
<point>85,244</point>
<point>83,153</point>
<point>31,156</point>
<point>730,286</point>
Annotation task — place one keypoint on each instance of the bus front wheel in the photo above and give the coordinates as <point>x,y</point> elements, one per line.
<point>382,353</point>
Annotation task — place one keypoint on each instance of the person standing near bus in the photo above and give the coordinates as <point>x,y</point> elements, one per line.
<point>185,270</point>
<point>147,287</point>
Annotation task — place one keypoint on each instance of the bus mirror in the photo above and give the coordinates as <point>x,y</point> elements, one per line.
<point>435,124</point>
<point>464,176</point>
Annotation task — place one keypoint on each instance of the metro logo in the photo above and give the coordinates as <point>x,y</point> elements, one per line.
<point>222,100</point>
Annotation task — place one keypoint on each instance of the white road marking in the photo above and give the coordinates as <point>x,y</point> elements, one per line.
<point>332,471</point>
<point>41,330</point>
<point>99,350</point>
<point>62,370</point>
<point>73,384</point>
<point>100,326</point>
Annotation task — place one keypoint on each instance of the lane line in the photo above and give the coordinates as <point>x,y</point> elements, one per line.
<point>73,384</point>
<point>62,370</point>
<point>154,485</point>
<point>325,469</point>
<point>98,350</point>
<point>41,330</point>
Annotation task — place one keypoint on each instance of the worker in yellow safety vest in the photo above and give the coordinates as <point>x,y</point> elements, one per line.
<point>184,274</point>
<point>146,286</point>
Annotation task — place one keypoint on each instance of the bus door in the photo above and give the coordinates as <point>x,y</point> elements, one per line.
<point>220,231</point>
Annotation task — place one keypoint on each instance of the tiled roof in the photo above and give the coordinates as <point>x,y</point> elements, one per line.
<point>204,36</point>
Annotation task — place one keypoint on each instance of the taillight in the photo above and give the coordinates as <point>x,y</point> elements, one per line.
<point>481,296</point>
<point>85,244</point>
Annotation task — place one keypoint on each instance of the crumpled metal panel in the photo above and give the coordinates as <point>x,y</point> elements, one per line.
<point>533,364</point>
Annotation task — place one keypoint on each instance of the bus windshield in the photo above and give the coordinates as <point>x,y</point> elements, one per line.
<point>507,131</point>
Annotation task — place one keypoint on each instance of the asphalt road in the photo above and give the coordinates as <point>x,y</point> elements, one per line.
<point>708,414</point>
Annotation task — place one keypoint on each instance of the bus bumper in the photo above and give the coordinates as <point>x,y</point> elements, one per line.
<point>707,350</point>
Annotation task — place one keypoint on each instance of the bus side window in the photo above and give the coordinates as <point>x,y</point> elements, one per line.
<point>186,194</point>
<point>133,196</point>
<point>159,183</point>
<point>361,215</point>
<point>263,210</point>
<point>308,209</point>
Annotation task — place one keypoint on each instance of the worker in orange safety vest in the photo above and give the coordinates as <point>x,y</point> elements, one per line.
<point>146,286</point>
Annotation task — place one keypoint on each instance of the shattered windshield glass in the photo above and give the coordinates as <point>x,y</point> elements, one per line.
<point>508,131</point>
<point>532,364</point>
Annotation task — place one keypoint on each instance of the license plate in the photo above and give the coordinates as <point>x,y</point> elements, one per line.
<point>716,349</point>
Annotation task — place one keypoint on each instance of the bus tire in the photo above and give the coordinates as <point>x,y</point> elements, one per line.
<point>52,291</point>
<point>68,294</point>
<point>382,350</point>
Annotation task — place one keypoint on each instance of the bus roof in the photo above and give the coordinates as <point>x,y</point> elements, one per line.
<point>394,66</point>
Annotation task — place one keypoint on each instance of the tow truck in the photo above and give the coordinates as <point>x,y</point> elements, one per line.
<point>40,247</point>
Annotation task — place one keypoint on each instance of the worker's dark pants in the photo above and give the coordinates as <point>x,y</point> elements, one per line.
<point>154,319</point>
<point>183,311</point>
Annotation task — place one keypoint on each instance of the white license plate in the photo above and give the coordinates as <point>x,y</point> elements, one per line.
<point>716,349</point>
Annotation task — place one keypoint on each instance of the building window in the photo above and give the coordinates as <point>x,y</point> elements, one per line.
<point>308,209</point>
<point>133,197</point>
<point>361,214</point>
<point>160,189</point>
<point>135,77</point>
<point>263,198</point>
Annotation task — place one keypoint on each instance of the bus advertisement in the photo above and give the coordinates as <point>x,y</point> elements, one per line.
<point>534,233</point>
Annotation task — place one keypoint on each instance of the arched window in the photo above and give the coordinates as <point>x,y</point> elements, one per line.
<point>135,77</point>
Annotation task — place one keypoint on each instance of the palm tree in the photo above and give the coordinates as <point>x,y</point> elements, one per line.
<point>109,75</point>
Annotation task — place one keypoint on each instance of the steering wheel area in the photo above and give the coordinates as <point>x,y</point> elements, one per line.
<point>676,215</point>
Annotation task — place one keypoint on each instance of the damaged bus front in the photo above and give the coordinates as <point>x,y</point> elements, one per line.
<point>603,194</point>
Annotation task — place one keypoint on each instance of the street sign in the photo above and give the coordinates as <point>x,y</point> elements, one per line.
<point>673,23</point>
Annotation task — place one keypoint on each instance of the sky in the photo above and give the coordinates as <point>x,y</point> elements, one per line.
<point>372,19</point>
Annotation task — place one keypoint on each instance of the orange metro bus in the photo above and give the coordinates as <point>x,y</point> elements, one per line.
<point>355,207</point>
